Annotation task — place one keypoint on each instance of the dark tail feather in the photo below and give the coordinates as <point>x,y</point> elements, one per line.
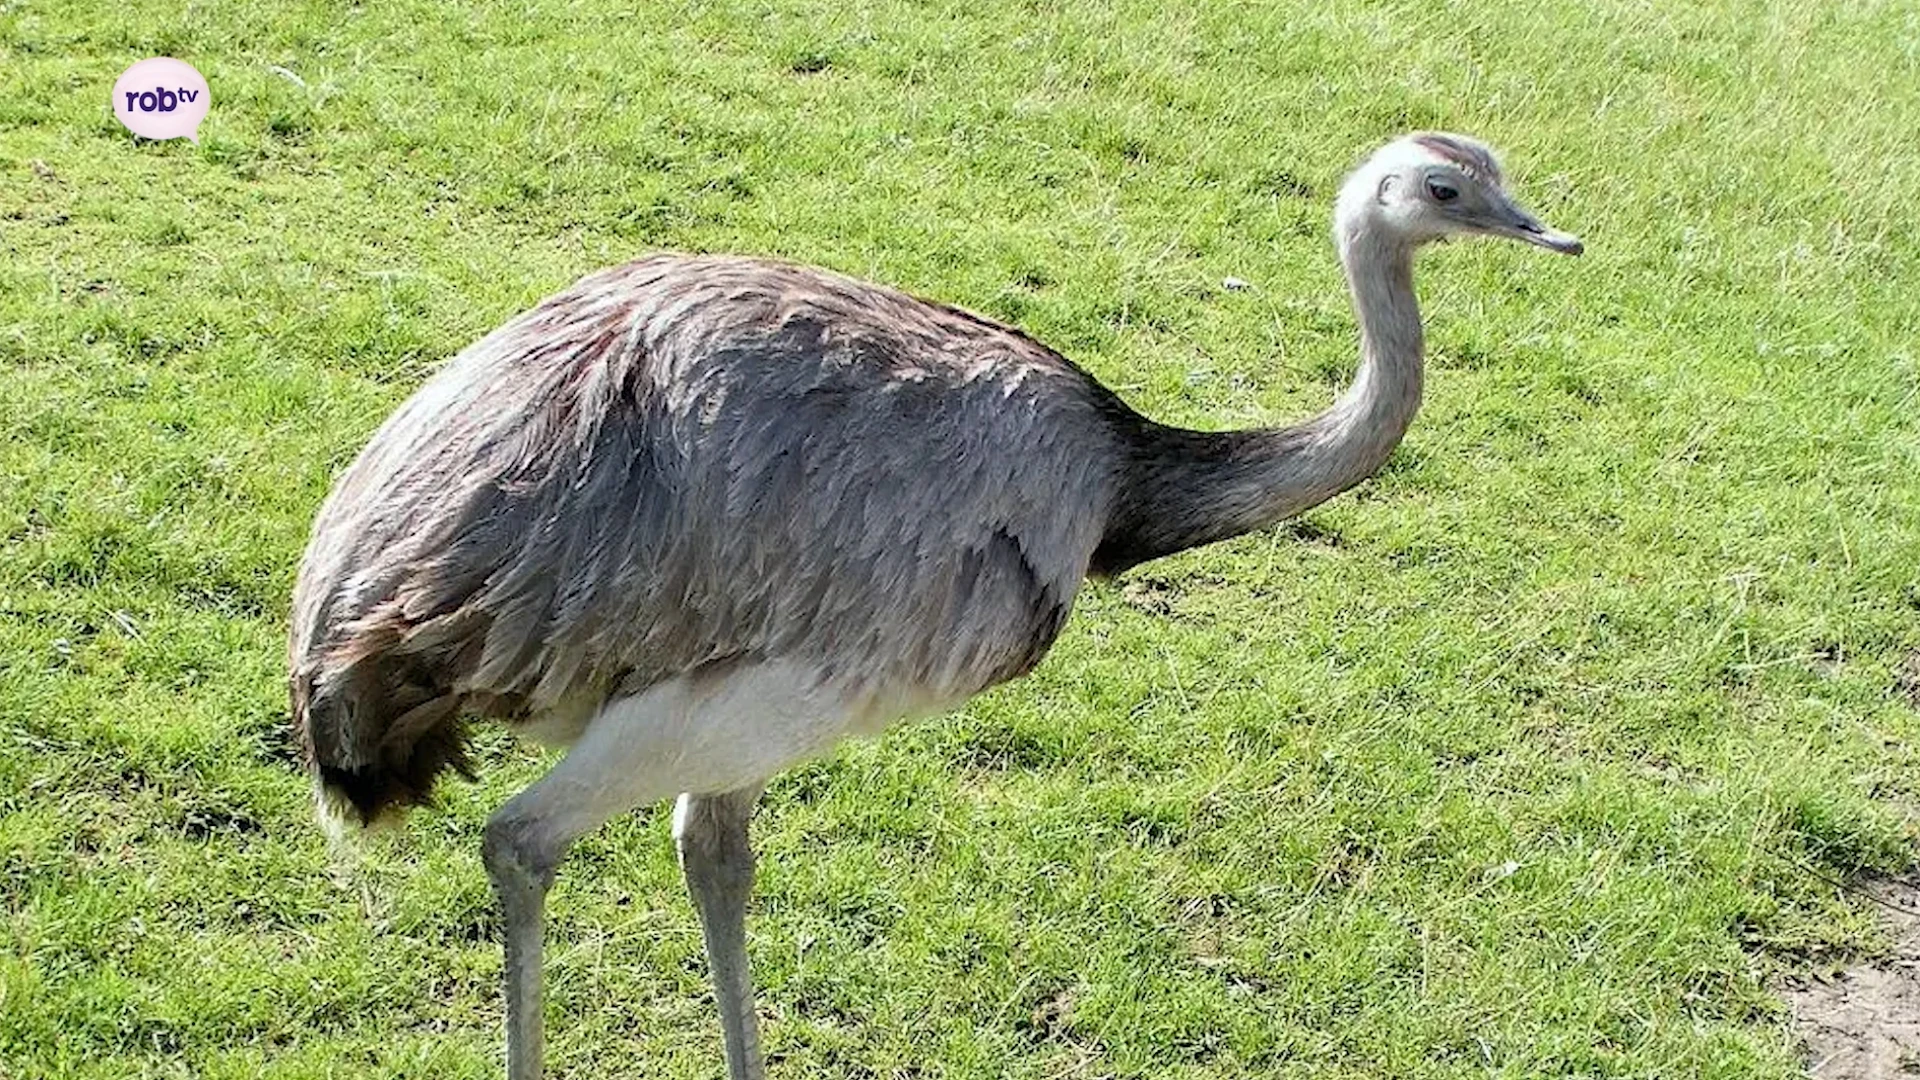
<point>367,762</point>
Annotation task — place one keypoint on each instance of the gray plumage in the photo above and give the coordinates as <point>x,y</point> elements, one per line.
<point>686,484</point>
<point>684,462</point>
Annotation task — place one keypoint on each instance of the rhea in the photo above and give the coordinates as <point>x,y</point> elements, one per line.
<point>697,518</point>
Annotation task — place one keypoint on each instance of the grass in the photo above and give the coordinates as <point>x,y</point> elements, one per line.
<point>1519,761</point>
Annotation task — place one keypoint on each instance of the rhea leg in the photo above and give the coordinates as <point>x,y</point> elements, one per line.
<point>711,832</point>
<point>720,731</point>
<point>611,769</point>
<point>522,869</point>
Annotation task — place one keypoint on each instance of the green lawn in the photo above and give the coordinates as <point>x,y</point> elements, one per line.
<point>1525,759</point>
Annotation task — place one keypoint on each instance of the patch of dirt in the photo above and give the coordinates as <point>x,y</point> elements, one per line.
<point>1907,678</point>
<point>1863,1022</point>
<point>1150,595</point>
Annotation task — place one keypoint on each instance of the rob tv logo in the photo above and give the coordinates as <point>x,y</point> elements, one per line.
<point>162,98</point>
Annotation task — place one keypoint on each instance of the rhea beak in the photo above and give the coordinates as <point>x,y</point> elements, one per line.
<point>1511,221</point>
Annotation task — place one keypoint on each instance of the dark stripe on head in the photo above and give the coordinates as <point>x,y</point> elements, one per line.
<point>1465,153</point>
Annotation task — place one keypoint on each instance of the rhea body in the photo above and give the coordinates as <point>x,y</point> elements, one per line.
<point>699,518</point>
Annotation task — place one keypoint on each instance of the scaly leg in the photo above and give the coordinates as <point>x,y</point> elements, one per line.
<point>521,886</point>
<point>711,832</point>
<point>724,731</point>
<point>609,771</point>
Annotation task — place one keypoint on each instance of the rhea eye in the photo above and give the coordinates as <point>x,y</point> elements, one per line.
<point>1441,190</point>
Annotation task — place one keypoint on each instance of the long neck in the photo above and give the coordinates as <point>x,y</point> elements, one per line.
<point>1187,488</point>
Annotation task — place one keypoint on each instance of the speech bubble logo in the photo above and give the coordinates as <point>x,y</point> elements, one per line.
<point>162,98</point>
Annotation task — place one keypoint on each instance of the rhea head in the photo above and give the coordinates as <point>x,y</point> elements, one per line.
<point>1431,185</point>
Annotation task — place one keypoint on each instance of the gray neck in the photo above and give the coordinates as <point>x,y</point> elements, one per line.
<point>1187,488</point>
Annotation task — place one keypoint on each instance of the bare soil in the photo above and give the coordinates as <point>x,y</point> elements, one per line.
<point>1863,1022</point>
